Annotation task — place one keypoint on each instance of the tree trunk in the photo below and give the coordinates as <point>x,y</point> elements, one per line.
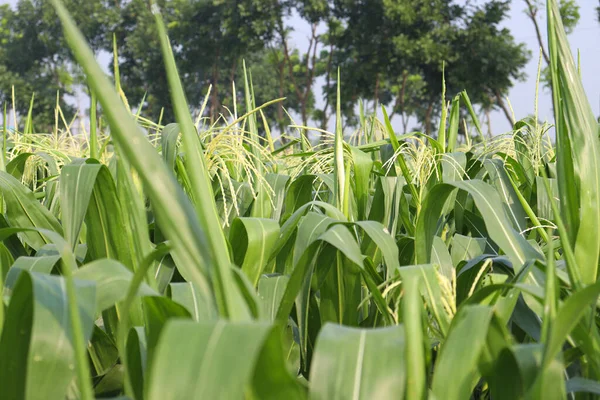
<point>489,122</point>
<point>325,119</point>
<point>376,96</point>
<point>214,103</point>
<point>532,14</point>
<point>428,118</point>
<point>504,108</point>
<point>280,114</point>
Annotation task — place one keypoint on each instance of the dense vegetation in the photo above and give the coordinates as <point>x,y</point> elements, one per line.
<point>390,51</point>
<point>199,260</point>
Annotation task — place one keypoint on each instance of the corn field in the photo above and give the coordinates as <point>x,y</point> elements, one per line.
<point>188,261</point>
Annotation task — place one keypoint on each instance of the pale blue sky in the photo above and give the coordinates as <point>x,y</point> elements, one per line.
<point>586,38</point>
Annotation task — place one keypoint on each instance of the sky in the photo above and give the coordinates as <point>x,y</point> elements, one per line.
<point>585,38</point>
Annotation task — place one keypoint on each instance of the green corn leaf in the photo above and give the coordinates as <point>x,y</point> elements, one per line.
<point>173,208</point>
<point>270,292</point>
<point>412,314</point>
<point>112,280</point>
<point>24,211</point>
<point>453,128</point>
<point>578,145</point>
<point>253,240</point>
<point>352,363</point>
<point>228,297</point>
<point>501,182</point>
<point>456,371</point>
<point>188,295</point>
<point>197,359</point>
<point>489,204</point>
<point>339,165</point>
<point>37,346</point>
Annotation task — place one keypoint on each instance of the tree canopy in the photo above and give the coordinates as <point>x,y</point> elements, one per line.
<point>390,52</point>
<point>34,57</point>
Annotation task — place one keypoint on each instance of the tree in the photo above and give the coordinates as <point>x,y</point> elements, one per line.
<point>34,57</point>
<point>270,79</point>
<point>394,52</point>
<point>210,39</point>
<point>569,12</point>
<point>303,68</point>
<point>490,61</point>
<point>389,52</point>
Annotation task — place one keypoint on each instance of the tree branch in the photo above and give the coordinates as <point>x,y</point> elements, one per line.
<point>504,108</point>
<point>532,14</point>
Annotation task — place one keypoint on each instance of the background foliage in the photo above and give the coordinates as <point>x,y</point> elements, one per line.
<point>143,260</point>
<point>393,53</point>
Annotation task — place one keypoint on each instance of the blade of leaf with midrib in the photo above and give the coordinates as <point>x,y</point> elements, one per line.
<point>412,311</point>
<point>278,183</point>
<point>16,166</point>
<point>582,385</point>
<point>489,205</point>
<point>298,287</point>
<point>309,230</point>
<point>440,256</point>
<point>467,101</point>
<point>385,243</point>
<point>104,220</point>
<point>498,364</point>
<point>112,280</point>
<point>136,360</point>
<point>361,165</point>
<point>202,360</point>
<point>456,366</point>
<point>339,168</point>
<point>453,169</point>
<point>36,348</point>
<point>229,299</point>
<point>341,288</point>
<point>102,351</point>
<point>272,379</point>
<point>454,120</point>
<point>501,181</point>
<point>270,292</point>
<point>133,208</point>
<point>186,294</point>
<point>172,206</point>
<point>43,264</point>
<point>544,207</point>
<point>24,211</point>
<point>252,240</point>
<point>12,243</point>
<point>290,225</point>
<point>352,363</point>
<point>577,126</point>
<point>168,140</point>
<point>14,342</point>
<point>6,260</point>
<point>465,248</point>
<point>77,181</point>
<point>110,383</point>
<point>299,193</point>
<point>157,311</point>
<point>569,314</point>
<point>430,289</point>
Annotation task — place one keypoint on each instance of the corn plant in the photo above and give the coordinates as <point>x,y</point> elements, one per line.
<point>186,262</point>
